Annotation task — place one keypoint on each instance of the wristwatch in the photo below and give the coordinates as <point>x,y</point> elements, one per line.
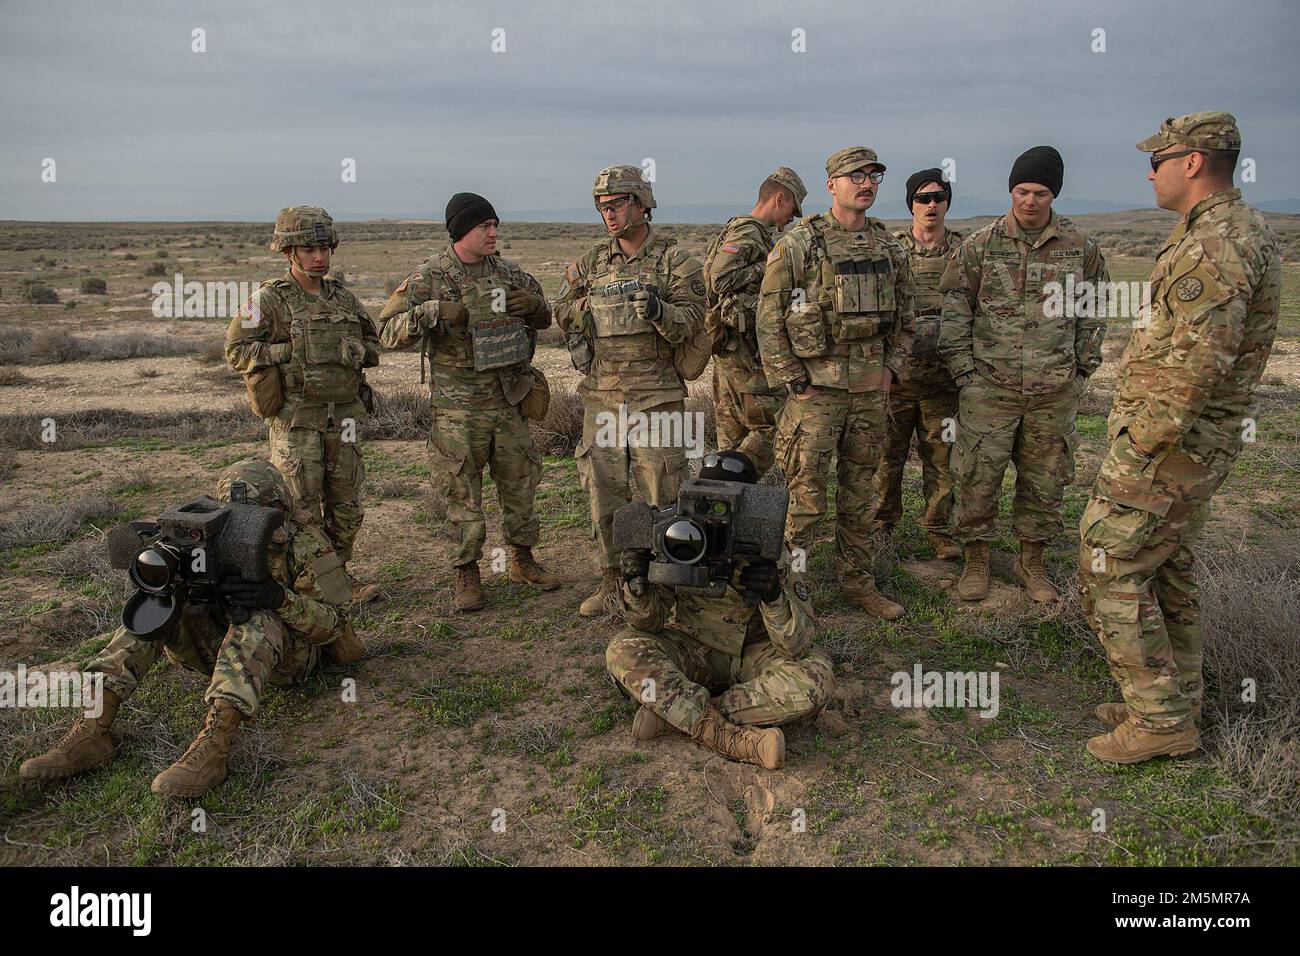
<point>799,387</point>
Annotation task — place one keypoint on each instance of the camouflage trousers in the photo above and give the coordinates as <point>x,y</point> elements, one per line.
<point>998,426</point>
<point>605,468</point>
<point>809,432</point>
<point>929,410</point>
<point>325,474</point>
<point>462,443</point>
<point>675,676</point>
<point>746,420</point>
<point>240,659</point>
<point>1138,592</point>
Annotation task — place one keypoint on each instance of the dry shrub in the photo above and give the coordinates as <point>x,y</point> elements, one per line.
<point>1251,608</point>
<point>402,414</point>
<point>234,423</point>
<point>14,345</point>
<point>212,351</point>
<point>93,286</point>
<point>51,524</point>
<point>38,293</point>
<point>56,346</point>
<point>561,430</point>
<point>12,376</point>
<point>7,459</point>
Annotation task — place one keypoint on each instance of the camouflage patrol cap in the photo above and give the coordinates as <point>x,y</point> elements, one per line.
<point>850,158</point>
<point>787,178</point>
<point>620,180</point>
<point>1213,130</point>
<point>303,226</point>
<point>265,485</point>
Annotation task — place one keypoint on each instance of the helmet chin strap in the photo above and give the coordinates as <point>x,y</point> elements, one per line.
<point>315,274</point>
<point>620,233</point>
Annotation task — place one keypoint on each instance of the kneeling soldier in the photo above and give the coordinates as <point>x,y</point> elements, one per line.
<point>294,615</point>
<point>681,648</point>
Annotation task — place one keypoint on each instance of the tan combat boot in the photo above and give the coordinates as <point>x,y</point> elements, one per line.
<point>647,725</point>
<point>973,585</point>
<point>872,601</point>
<point>203,766</point>
<point>1116,714</point>
<point>524,569</point>
<point>469,588</point>
<point>762,746</point>
<point>87,744</point>
<point>1029,571</point>
<point>945,549</point>
<point>606,597</point>
<point>347,647</point>
<point>1127,743</point>
<point>362,593</point>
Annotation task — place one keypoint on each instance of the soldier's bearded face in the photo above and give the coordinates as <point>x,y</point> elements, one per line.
<point>1032,204</point>
<point>1169,182</point>
<point>312,258</point>
<point>481,240</point>
<point>931,215</point>
<point>854,197</point>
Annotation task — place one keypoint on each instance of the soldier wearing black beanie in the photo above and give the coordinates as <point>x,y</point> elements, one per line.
<point>919,179</point>
<point>1039,164</point>
<point>465,211</point>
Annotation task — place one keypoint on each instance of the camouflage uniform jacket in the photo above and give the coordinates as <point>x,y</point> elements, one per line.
<point>724,623</point>
<point>1188,375</point>
<point>733,268</point>
<point>995,291</point>
<point>833,304</point>
<point>633,359</point>
<point>918,362</point>
<point>443,277</point>
<point>321,344</point>
<point>303,561</point>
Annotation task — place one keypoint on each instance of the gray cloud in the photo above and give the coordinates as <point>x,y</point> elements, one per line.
<point>141,127</point>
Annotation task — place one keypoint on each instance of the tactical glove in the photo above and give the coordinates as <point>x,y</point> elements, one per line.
<point>522,303</point>
<point>761,578</point>
<point>635,568</point>
<point>267,594</point>
<point>647,306</point>
<point>448,313</point>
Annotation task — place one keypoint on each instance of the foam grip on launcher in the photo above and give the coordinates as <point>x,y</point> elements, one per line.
<point>634,527</point>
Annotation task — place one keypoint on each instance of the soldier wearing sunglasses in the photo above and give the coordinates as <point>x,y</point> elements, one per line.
<point>836,291</point>
<point>924,399</point>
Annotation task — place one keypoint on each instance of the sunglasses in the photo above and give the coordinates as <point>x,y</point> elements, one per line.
<point>1157,160</point>
<point>860,176</point>
<point>733,465</point>
<point>926,198</point>
<point>614,205</point>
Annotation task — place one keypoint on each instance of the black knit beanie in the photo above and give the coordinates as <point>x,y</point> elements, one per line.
<point>932,175</point>
<point>1042,165</point>
<point>465,211</point>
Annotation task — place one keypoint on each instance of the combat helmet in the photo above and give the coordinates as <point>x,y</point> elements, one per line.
<point>303,226</point>
<point>263,483</point>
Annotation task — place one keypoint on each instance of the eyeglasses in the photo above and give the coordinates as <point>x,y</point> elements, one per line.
<point>1157,160</point>
<point>733,465</point>
<point>860,176</point>
<point>614,205</point>
<point>926,198</point>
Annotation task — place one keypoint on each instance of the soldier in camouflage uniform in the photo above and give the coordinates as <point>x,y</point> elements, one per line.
<point>923,399</point>
<point>836,291</point>
<point>1184,399</point>
<point>681,648</point>
<point>294,616</point>
<point>477,315</point>
<point>309,339</point>
<point>745,406</point>
<point>628,341</point>
<point>1021,359</point>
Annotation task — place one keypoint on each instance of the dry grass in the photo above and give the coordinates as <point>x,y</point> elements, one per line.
<point>104,425</point>
<point>52,524</point>
<point>56,346</point>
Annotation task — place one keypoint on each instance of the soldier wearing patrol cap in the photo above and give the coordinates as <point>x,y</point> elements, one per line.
<point>477,315</point>
<point>293,617</point>
<point>836,290</point>
<point>924,399</point>
<point>1184,398</point>
<point>302,343</point>
<point>632,309</point>
<point>745,405</point>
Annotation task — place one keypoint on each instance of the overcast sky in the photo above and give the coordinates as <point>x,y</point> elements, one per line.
<point>141,127</point>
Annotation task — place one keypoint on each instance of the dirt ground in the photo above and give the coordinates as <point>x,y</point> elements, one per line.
<point>496,738</point>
